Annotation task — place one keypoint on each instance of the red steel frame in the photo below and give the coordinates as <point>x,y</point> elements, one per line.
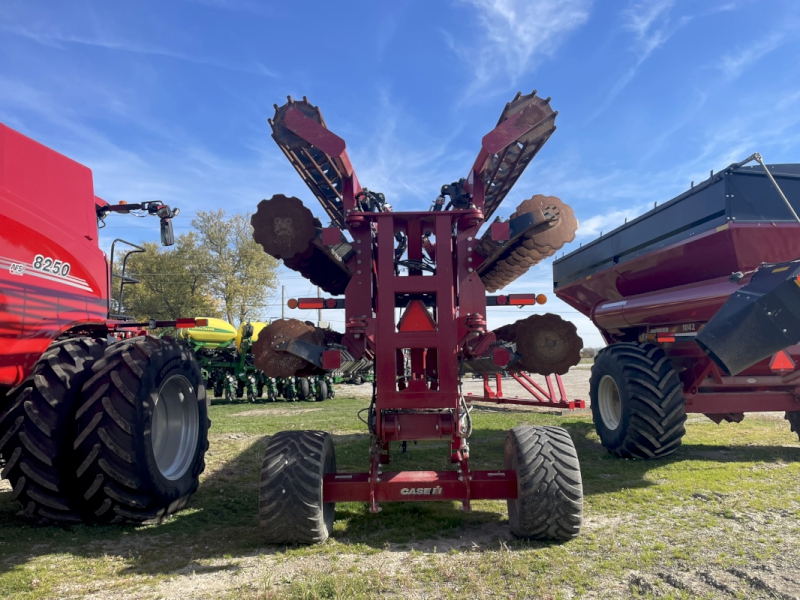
<point>541,397</point>
<point>427,404</point>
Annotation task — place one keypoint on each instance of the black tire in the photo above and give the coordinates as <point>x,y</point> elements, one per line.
<point>121,477</point>
<point>38,430</point>
<point>290,503</point>
<point>549,503</point>
<point>646,420</point>
<point>322,391</point>
<point>303,388</point>
<point>357,380</point>
<point>794,421</point>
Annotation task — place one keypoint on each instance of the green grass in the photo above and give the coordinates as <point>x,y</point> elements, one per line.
<point>729,496</point>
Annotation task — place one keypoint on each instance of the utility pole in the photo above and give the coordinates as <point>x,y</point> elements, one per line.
<point>319,312</point>
<point>283,302</point>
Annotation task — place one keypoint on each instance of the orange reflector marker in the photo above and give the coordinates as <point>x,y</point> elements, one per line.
<point>416,318</point>
<point>781,362</point>
<point>541,298</point>
<point>292,303</point>
<point>201,322</point>
<point>502,300</point>
<point>307,303</point>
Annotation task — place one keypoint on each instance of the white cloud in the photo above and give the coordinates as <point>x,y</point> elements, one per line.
<point>516,33</point>
<point>402,159</point>
<point>733,65</point>
<point>57,39</point>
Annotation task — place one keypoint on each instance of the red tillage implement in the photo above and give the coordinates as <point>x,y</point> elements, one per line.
<point>427,264</point>
<point>698,316</point>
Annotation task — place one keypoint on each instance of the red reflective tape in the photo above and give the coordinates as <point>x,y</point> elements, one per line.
<point>522,299</point>
<point>308,303</point>
<point>186,323</point>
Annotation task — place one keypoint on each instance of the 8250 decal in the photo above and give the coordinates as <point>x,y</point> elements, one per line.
<point>50,265</point>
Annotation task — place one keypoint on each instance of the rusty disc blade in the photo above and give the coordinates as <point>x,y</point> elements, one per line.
<point>553,237</point>
<point>276,363</point>
<point>283,226</point>
<point>548,344</point>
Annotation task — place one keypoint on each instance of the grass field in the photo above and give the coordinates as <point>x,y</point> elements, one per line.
<point>719,519</point>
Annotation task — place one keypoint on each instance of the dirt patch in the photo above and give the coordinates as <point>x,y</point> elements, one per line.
<point>274,412</point>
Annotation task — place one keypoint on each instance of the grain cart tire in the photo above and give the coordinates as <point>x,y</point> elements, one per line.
<point>637,401</point>
<point>290,504</point>
<point>322,391</point>
<point>794,420</point>
<point>549,502</point>
<point>142,432</point>
<point>38,430</point>
<point>303,388</point>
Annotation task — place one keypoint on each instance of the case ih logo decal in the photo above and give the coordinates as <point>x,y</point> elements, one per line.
<point>434,491</point>
<point>45,267</point>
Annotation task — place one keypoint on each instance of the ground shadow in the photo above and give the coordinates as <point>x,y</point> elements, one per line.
<point>223,521</point>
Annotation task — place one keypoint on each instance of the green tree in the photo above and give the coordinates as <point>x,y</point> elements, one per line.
<point>174,282</point>
<point>241,273</point>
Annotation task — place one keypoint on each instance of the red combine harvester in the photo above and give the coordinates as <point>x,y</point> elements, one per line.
<point>89,430</point>
<point>697,315</point>
<point>432,269</point>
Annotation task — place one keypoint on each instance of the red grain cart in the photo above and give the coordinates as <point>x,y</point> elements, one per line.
<point>652,284</point>
<point>88,430</point>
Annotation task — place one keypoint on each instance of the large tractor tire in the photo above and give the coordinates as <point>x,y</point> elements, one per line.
<point>38,430</point>
<point>142,432</point>
<point>637,401</point>
<point>794,420</point>
<point>549,502</point>
<point>290,504</point>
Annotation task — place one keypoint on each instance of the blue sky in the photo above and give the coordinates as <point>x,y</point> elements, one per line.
<point>169,100</point>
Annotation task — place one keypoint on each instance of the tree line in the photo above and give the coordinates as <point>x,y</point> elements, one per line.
<point>217,270</point>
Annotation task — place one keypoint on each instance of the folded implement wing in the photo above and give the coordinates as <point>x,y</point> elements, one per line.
<point>526,123</point>
<point>318,154</point>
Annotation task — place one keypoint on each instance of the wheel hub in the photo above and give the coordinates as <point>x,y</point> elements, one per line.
<point>175,427</point>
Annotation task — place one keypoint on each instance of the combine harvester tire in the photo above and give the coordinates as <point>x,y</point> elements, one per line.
<point>38,430</point>
<point>637,401</point>
<point>549,503</point>
<point>290,502</point>
<point>142,432</point>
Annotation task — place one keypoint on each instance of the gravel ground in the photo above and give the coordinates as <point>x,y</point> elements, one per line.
<point>576,384</point>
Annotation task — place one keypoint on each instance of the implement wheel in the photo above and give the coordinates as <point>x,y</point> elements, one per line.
<point>322,391</point>
<point>794,420</point>
<point>549,502</point>
<point>290,503</point>
<point>142,432</point>
<point>37,430</point>
<point>637,401</point>
<point>303,388</point>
